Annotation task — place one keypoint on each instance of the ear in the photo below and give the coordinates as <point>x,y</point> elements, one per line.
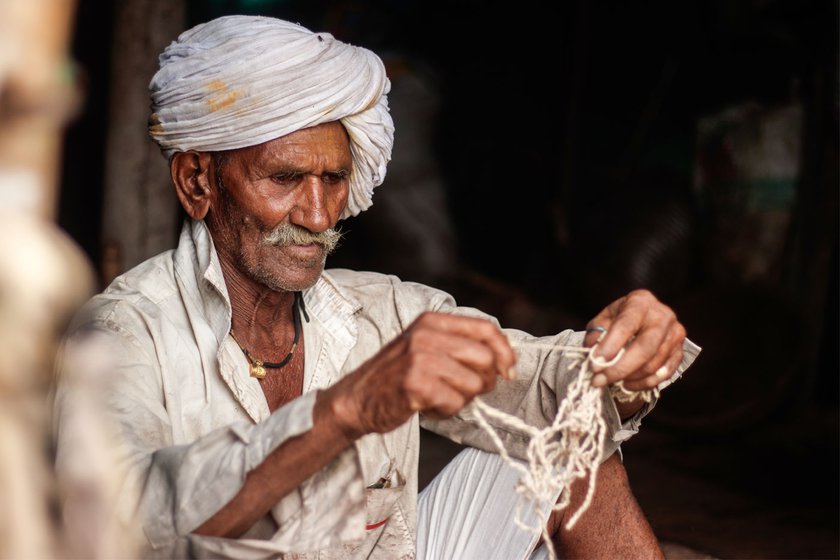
<point>191,175</point>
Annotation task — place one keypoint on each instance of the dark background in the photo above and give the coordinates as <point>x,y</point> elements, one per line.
<point>566,140</point>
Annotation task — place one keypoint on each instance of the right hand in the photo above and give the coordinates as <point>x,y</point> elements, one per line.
<point>435,367</point>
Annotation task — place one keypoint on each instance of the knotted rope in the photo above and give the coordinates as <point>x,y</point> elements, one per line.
<point>567,449</point>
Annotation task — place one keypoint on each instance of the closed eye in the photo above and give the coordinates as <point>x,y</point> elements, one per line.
<point>335,177</point>
<point>288,178</point>
<point>293,178</point>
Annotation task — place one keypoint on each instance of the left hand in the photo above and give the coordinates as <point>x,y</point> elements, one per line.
<point>650,334</point>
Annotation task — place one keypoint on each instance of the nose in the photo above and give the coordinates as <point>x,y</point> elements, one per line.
<point>311,209</point>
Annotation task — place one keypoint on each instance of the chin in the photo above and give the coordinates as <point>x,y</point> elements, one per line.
<point>289,281</point>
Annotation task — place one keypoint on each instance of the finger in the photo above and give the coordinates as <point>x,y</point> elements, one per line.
<point>668,369</point>
<point>441,400</point>
<point>603,320</point>
<point>639,352</point>
<point>465,380</point>
<point>627,321</point>
<point>475,355</point>
<point>596,330</point>
<point>673,342</point>
<point>479,330</point>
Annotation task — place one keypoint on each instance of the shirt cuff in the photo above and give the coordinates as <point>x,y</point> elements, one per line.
<point>631,425</point>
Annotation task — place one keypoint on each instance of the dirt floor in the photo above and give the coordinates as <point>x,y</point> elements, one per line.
<point>770,492</point>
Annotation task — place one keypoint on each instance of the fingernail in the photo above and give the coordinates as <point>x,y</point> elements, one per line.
<point>662,372</point>
<point>511,374</point>
<point>599,380</point>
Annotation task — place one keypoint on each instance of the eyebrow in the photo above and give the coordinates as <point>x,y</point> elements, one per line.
<point>341,173</point>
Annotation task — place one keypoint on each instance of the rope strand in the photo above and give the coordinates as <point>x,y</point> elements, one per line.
<point>558,454</point>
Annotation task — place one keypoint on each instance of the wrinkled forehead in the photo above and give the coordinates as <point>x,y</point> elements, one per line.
<point>325,146</point>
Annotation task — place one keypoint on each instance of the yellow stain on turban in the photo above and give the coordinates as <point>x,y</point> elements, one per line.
<point>220,96</point>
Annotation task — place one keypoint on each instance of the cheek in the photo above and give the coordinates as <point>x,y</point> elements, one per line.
<point>247,224</point>
<point>265,214</point>
<point>339,202</point>
<point>247,227</point>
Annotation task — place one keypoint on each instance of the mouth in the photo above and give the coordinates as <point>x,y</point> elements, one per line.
<point>304,251</point>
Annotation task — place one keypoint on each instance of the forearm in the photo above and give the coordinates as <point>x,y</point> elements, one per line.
<point>405,377</point>
<point>282,471</point>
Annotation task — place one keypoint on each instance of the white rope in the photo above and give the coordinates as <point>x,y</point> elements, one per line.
<point>564,451</point>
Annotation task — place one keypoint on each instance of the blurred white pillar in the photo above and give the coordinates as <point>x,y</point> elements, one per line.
<point>44,275</point>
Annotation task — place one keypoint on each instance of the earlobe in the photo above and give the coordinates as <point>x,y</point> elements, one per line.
<point>191,177</point>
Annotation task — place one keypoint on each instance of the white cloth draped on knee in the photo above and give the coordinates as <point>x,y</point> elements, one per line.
<point>239,81</point>
<point>468,512</point>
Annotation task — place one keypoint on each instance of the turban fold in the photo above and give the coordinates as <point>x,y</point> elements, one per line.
<point>238,81</point>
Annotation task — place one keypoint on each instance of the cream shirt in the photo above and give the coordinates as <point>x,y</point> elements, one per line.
<point>191,422</point>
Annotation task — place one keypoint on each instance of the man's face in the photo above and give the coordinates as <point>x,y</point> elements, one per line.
<point>274,205</point>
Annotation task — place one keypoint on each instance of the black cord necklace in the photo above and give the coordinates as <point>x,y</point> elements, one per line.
<point>258,367</point>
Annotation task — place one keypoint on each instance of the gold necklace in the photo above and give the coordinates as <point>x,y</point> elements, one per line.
<point>258,367</point>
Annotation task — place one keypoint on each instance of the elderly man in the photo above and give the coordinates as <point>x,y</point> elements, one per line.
<point>267,407</point>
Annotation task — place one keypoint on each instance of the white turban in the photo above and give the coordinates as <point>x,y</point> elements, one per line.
<point>239,81</point>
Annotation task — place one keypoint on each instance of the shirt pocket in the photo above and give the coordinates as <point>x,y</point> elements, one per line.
<point>380,498</point>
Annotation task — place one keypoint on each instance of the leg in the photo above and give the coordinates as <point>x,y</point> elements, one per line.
<point>467,512</point>
<point>613,526</point>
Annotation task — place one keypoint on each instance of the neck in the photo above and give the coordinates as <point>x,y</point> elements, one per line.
<point>257,310</point>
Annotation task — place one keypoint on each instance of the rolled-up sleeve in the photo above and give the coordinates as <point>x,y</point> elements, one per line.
<point>544,376</point>
<point>173,488</point>
<point>631,425</point>
<point>187,484</point>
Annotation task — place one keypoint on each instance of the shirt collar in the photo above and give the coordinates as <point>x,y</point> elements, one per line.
<point>198,265</point>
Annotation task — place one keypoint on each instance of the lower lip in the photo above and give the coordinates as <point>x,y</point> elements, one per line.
<point>309,250</point>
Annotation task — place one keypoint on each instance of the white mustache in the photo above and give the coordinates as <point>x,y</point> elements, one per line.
<point>289,234</point>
